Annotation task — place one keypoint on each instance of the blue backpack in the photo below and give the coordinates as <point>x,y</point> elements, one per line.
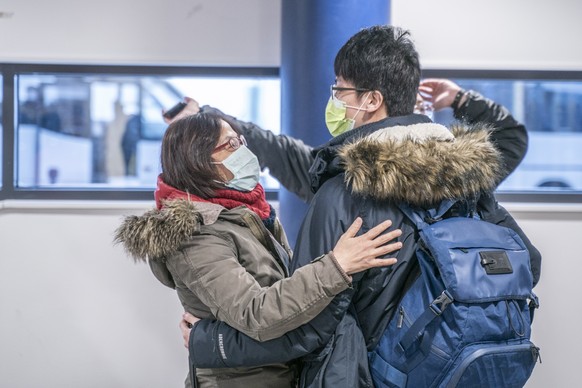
<point>465,321</point>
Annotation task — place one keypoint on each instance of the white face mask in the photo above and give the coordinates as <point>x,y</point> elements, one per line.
<point>244,165</point>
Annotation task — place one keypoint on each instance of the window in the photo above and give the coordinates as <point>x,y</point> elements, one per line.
<point>1,135</point>
<point>94,132</point>
<point>550,106</point>
<point>98,129</point>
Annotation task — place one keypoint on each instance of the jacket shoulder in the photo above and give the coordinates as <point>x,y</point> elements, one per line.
<point>158,232</point>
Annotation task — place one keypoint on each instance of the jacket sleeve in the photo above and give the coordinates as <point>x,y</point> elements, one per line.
<point>214,344</point>
<point>509,136</point>
<point>209,267</point>
<point>287,159</point>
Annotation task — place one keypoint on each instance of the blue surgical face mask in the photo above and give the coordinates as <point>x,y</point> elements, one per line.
<point>244,165</point>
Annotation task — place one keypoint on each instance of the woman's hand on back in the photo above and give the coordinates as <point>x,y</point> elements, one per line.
<point>356,254</point>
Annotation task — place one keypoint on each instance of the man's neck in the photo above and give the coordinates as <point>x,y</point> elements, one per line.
<point>372,117</point>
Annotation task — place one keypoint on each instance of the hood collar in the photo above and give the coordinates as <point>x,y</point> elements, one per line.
<point>421,164</point>
<point>159,232</point>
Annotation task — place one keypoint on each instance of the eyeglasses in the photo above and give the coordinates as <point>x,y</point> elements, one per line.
<point>233,142</point>
<point>334,89</point>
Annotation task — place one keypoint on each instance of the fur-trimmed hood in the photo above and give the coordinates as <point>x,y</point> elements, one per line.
<point>158,233</point>
<point>422,164</point>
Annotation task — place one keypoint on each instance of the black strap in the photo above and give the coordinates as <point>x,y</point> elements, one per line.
<point>424,217</point>
<point>417,333</point>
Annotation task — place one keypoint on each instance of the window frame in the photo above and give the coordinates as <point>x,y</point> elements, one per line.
<point>10,71</point>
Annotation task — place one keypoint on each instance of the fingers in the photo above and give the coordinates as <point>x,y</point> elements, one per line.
<point>429,83</point>
<point>377,230</point>
<point>191,319</point>
<point>425,91</point>
<point>353,229</point>
<point>386,249</point>
<point>386,237</point>
<point>188,317</point>
<point>383,262</point>
<point>185,328</point>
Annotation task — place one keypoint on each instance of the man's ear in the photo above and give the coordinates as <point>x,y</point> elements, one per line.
<point>375,102</point>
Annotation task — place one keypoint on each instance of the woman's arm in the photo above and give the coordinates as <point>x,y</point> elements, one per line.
<point>210,268</point>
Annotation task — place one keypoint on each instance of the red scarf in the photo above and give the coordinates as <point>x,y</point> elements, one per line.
<point>229,198</point>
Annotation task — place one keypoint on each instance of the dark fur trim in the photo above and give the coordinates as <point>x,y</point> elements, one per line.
<point>423,173</point>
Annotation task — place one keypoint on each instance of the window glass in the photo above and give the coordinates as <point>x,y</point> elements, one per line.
<point>552,113</point>
<point>104,131</point>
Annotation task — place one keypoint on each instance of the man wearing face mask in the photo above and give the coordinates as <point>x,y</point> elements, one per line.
<point>336,111</point>
<point>289,159</point>
<point>381,154</point>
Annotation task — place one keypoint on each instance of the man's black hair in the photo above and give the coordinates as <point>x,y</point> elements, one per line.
<point>382,58</point>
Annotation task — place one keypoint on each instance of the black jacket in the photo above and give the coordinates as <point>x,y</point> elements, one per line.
<point>364,177</point>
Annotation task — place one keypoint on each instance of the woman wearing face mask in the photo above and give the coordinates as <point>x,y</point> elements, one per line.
<point>214,238</point>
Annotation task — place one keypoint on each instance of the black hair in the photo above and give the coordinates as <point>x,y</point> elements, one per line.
<point>186,155</point>
<point>382,58</point>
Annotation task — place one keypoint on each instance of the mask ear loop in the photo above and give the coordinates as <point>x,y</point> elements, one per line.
<point>222,183</point>
<point>360,108</point>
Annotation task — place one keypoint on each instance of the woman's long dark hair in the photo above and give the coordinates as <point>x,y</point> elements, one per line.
<point>186,155</point>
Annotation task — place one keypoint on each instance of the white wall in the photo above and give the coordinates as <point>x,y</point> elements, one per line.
<point>494,34</point>
<point>177,32</point>
<point>76,312</point>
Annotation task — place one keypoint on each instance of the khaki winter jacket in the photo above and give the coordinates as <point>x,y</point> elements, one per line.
<point>224,264</point>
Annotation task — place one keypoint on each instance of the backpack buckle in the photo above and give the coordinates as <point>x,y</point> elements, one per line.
<point>430,220</point>
<point>441,302</point>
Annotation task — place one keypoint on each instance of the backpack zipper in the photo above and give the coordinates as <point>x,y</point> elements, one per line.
<point>400,318</point>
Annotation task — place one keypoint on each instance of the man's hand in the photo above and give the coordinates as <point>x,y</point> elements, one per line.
<point>192,107</point>
<point>186,326</point>
<point>440,92</point>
